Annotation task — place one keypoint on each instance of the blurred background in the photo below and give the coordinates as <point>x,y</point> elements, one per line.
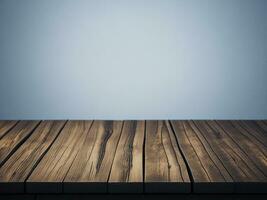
<point>133,59</point>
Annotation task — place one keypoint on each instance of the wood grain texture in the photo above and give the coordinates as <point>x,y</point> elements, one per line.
<point>262,124</point>
<point>250,130</point>
<point>245,173</point>
<point>92,165</point>
<point>202,156</point>
<point>5,126</point>
<point>250,145</point>
<point>208,172</point>
<point>165,170</point>
<point>52,169</point>
<point>127,170</point>
<point>14,138</point>
<point>19,166</point>
<point>256,131</point>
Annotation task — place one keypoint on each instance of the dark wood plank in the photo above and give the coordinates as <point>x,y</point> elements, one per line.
<point>19,166</point>
<point>5,126</point>
<point>246,175</point>
<point>17,197</point>
<point>92,165</point>
<point>49,174</point>
<point>127,170</point>
<point>148,197</point>
<point>262,124</point>
<point>208,172</point>
<point>256,130</point>
<point>165,169</point>
<point>14,138</point>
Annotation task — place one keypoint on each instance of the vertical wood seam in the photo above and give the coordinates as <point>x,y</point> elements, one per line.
<point>143,156</point>
<point>122,126</point>
<point>190,174</point>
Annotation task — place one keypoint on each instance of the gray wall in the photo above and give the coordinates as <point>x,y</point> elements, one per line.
<point>133,59</point>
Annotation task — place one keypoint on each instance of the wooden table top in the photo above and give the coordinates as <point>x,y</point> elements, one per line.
<point>152,156</point>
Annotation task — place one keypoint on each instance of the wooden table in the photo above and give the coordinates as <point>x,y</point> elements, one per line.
<point>133,156</point>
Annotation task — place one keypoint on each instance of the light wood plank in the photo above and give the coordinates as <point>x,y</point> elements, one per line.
<point>244,173</point>
<point>14,138</point>
<point>5,126</point>
<point>165,169</point>
<point>127,170</point>
<point>49,174</point>
<point>19,166</point>
<point>108,156</point>
<point>208,172</point>
<point>91,174</point>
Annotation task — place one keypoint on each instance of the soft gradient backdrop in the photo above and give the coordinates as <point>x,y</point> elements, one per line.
<point>133,59</point>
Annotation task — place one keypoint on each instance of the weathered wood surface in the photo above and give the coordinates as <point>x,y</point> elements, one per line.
<point>5,126</point>
<point>92,165</point>
<point>238,159</point>
<point>133,156</point>
<point>165,169</point>
<point>19,166</point>
<point>52,169</point>
<point>208,172</point>
<point>127,170</point>
<point>254,149</point>
<point>14,138</point>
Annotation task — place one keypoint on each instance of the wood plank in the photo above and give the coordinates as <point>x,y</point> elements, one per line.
<point>208,172</point>
<point>264,121</point>
<point>19,166</point>
<point>127,170</point>
<point>250,144</point>
<point>239,139</point>
<point>49,174</point>
<point>14,138</point>
<point>246,175</point>
<point>165,169</point>
<point>5,126</point>
<point>134,156</point>
<point>255,131</point>
<point>92,165</point>
<point>262,124</point>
